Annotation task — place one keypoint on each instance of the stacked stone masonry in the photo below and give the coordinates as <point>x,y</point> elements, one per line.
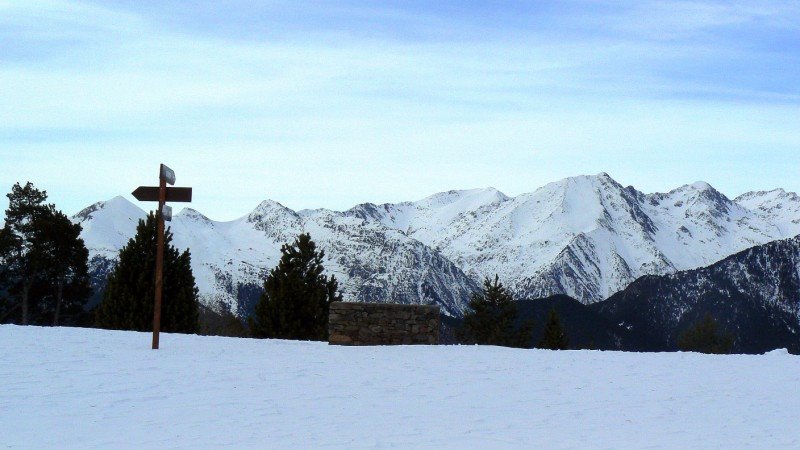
<point>383,324</point>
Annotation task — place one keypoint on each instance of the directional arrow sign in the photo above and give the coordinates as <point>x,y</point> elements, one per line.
<point>174,194</point>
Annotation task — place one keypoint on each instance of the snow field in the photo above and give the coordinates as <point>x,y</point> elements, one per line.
<point>86,388</point>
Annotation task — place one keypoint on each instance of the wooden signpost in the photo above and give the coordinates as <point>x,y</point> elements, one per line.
<point>161,194</point>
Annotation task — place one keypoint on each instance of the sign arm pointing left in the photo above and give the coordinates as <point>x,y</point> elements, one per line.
<point>174,194</point>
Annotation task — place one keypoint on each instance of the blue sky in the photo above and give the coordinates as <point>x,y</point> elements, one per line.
<point>329,104</point>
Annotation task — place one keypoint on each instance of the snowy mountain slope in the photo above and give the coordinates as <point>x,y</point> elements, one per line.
<point>777,206</point>
<point>107,226</point>
<point>755,295</point>
<point>697,225</point>
<point>231,259</point>
<point>586,236</point>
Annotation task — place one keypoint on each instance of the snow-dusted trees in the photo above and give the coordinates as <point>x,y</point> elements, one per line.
<point>296,295</point>
<point>492,318</point>
<point>128,300</point>
<point>43,261</point>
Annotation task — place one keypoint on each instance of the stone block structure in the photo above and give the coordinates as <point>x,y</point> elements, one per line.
<point>382,324</point>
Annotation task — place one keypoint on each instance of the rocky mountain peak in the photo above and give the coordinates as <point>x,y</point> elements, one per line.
<point>584,236</point>
<point>118,205</point>
<point>191,214</point>
<point>268,209</point>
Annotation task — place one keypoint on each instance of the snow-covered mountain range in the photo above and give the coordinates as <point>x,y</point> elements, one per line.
<point>586,236</point>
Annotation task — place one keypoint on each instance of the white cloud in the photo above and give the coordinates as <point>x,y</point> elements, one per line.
<point>330,119</point>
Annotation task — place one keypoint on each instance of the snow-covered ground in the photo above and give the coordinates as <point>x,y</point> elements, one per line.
<point>78,388</point>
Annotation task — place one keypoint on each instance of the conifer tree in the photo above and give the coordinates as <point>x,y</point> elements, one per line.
<point>64,267</point>
<point>18,256</point>
<point>43,261</point>
<point>128,300</point>
<point>554,337</point>
<point>492,318</point>
<point>705,337</point>
<point>297,295</point>
<point>6,304</point>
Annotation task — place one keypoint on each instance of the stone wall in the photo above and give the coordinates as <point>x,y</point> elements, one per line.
<point>383,324</point>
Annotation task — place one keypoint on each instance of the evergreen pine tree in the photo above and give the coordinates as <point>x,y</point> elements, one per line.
<point>297,295</point>
<point>554,337</point>
<point>18,257</point>
<point>64,268</point>
<point>128,300</point>
<point>705,337</point>
<point>6,304</point>
<point>43,261</point>
<point>492,318</point>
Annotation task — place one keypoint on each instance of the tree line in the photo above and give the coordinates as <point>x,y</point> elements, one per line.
<point>492,319</point>
<point>44,280</point>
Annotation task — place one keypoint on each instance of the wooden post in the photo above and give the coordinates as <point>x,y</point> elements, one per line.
<point>162,198</point>
<point>161,194</point>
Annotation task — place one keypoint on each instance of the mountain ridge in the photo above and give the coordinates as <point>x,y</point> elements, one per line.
<point>586,236</point>
<point>754,295</point>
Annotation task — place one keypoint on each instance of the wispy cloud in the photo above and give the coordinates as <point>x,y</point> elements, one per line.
<point>327,105</point>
